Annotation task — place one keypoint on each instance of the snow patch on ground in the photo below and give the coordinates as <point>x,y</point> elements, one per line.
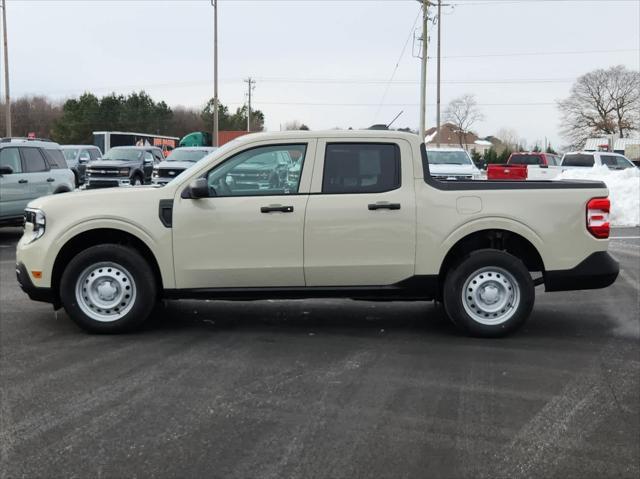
<point>624,191</point>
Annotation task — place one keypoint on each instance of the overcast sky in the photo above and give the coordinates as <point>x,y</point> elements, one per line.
<point>325,63</point>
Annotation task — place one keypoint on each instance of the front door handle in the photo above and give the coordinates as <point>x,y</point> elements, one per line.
<point>384,206</point>
<point>49,180</point>
<point>23,181</point>
<point>274,208</point>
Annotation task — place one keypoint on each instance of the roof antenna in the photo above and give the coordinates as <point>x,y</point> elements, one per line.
<point>381,126</point>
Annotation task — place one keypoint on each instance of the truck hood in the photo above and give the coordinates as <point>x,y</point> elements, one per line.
<point>111,164</point>
<point>176,165</point>
<point>453,170</point>
<point>104,196</point>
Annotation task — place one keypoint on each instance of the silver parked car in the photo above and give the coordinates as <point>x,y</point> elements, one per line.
<point>179,160</point>
<point>29,169</point>
<point>78,156</point>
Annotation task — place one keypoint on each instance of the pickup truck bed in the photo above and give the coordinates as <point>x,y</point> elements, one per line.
<point>362,218</point>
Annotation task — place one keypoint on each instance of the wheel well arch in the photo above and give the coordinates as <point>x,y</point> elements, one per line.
<point>97,236</point>
<point>499,239</point>
<point>61,189</point>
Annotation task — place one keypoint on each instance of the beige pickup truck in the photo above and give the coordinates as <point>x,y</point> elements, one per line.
<point>350,214</point>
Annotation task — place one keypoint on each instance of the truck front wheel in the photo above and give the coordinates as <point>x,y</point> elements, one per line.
<point>108,288</point>
<point>489,293</point>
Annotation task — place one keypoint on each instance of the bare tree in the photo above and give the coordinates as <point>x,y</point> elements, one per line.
<point>509,137</point>
<point>295,125</point>
<point>463,113</point>
<point>35,114</point>
<point>602,102</point>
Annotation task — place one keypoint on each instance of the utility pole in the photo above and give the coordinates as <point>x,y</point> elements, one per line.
<point>423,75</point>
<point>250,82</point>
<point>7,96</point>
<point>438,80</point>
<point>214,137</point>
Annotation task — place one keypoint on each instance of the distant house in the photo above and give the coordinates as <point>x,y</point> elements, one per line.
<point>630,147</point>
<point>451,138</point>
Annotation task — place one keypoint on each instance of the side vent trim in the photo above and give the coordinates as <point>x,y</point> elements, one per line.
<point>165,212</point>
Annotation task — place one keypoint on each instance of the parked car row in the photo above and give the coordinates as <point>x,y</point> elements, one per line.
<point>545,166</point>
<point>30,169</point>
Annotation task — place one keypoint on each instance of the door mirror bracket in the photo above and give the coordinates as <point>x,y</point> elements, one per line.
<point>198,188</point>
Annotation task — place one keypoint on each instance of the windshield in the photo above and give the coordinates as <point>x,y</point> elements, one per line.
<point>187,155</point>
<point>525,159</point>
<point>268,159</point>
<point>448,158</point>
<point>71,154</point>
<point>222,150</point>
<point>580,159</point>
<point>125,154</point>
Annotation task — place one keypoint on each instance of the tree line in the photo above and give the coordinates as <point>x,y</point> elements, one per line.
<point>75,120</point>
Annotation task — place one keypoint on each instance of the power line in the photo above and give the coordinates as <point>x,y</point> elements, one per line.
<point>528,54</point>
<point>395,69</point>
<point>389,104</point>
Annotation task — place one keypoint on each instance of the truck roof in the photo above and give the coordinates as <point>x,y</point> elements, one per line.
<point>303,134</point>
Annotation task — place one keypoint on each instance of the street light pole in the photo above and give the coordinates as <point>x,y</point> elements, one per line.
<point>214,138</point>
<point>423,72</point>
<point>7,96</point>
<point>438,80</point>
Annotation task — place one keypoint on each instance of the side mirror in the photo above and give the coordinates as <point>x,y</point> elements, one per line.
<point>199,188</point>
<point>148,161</point>
<point>6,170</point>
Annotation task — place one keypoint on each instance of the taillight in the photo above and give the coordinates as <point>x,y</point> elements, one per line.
<point>598,217</point>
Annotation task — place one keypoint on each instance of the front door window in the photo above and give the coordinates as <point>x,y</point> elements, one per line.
<point>262,171</point>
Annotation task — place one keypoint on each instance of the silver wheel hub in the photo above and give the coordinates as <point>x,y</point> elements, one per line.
<point>491,295</point>
<point>105,291</point>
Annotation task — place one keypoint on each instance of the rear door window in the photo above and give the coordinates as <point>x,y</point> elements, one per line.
<point>33,160</point>
<point>578,159</point>
<point>361,168</point>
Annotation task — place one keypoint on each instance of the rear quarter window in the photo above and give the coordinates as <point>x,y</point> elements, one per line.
<point>361,168</point>
<point>580,159</point>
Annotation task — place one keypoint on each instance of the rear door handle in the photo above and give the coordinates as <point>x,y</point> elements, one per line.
<point>384,206</point>
<point>49,180</point>
<point>23,181</point>
<point>274,208</point>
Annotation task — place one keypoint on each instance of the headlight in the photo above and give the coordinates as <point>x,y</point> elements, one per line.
<point>124,171</point>
<point>155,173</point>
<point>37,221</point>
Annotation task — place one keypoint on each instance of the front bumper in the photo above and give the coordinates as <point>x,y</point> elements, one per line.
<point>598,270</point>
<point>107,182</point>
<point>45,295</point>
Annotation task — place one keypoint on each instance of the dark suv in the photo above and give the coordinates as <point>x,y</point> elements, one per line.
<point>124,166</point>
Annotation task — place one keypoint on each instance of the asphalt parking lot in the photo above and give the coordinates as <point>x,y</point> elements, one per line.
<point>324,389</point>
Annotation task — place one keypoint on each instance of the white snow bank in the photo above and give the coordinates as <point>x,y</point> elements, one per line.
<point>624,191</point>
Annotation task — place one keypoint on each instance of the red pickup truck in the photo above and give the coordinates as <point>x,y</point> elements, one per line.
<point>517,166</point>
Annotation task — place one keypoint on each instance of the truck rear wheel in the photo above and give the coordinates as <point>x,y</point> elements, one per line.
<point>490,293</point>
<point>108,288</point>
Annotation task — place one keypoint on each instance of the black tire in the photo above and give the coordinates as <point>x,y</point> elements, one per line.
<point>499,277</point>
<point>124,261</point>
<point>137,180</point>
